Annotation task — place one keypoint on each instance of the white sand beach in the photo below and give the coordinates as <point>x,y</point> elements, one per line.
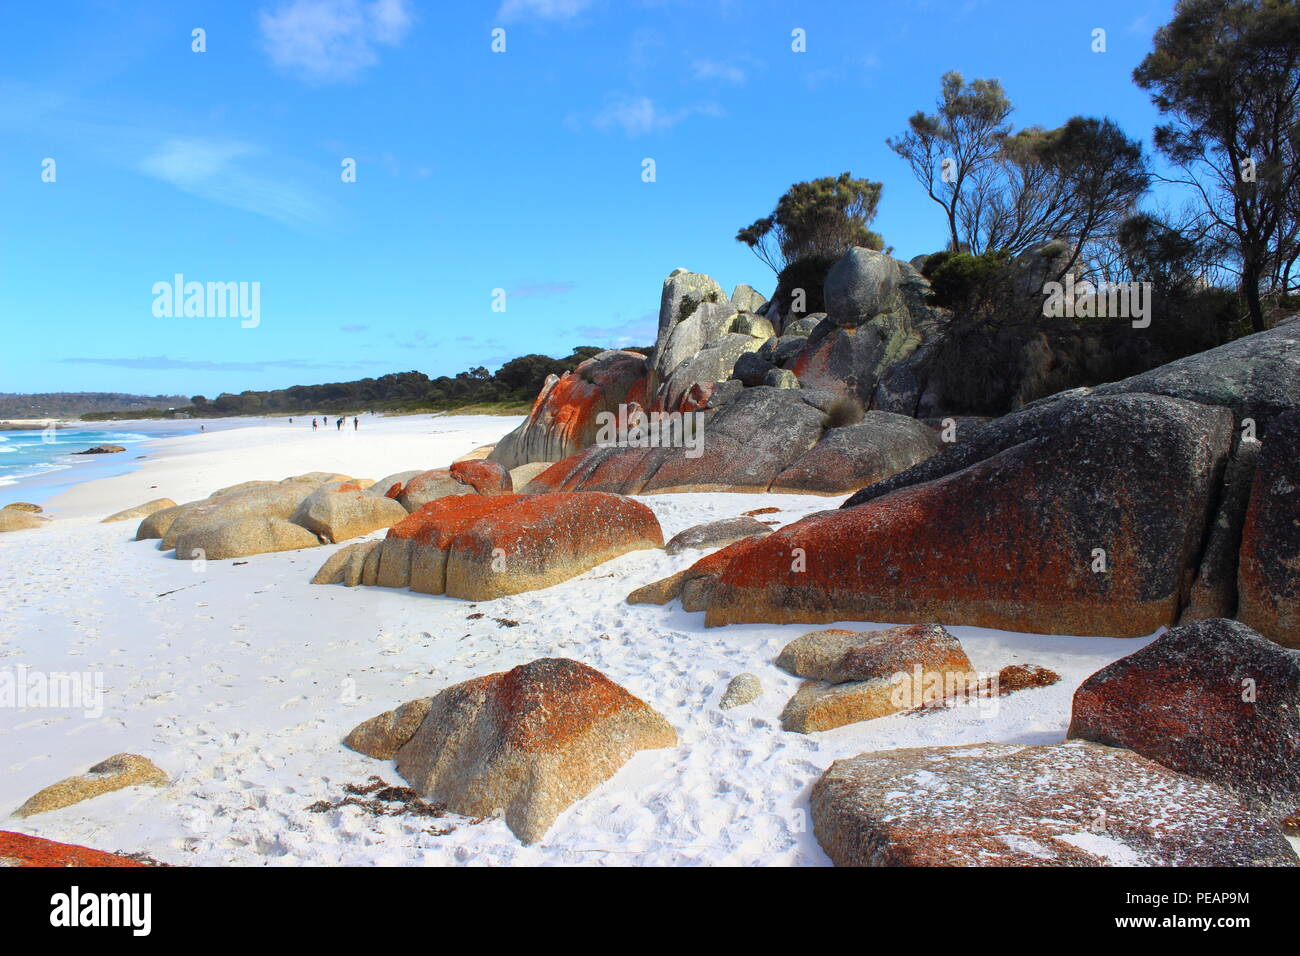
<point>240,679</point>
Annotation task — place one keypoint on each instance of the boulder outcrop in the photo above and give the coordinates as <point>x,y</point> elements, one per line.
<point>1084,518</point>
<point>857,675</point>
<point>564,417</point>
<point>1211,699</point>
<point>482,547</point>
<point>522,744</point>
<point>1071,804</point>
<point>341,510</point>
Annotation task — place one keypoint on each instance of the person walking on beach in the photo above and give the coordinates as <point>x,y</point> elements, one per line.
<point>339,423</point>
<point>313,424</point>
<point>356,423</point>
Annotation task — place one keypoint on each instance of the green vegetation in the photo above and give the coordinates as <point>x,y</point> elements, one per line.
<point>823,217</point>
<point>72,404</point>
<point>510,390</point>
<point>1226,74</point>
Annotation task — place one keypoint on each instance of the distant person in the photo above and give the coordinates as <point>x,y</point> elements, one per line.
<point>339,423</point>
<point>291,421</point>
<point>313,424</point>
<point>356,423</point>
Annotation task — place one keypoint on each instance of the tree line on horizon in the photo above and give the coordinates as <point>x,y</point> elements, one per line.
<point>517,381</point>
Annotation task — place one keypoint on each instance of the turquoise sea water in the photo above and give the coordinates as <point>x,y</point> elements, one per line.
<point>27,454</point>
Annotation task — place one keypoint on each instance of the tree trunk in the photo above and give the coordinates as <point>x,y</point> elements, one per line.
<point>1250,276</point>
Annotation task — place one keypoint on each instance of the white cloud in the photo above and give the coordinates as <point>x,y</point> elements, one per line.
<point>212,170</point>
<point>326,41</point>
<point>719,70</point>
<point>637,115</point>
<point>541,9</point>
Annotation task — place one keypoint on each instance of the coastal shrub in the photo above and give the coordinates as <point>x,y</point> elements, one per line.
<point>966,283</point>
<point>809,274</point>
<point>845,410</point>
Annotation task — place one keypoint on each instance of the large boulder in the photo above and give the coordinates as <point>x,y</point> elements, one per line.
<point>469,477</point>
<point>1257,376</point>
<point>241,537</point>
<point>742,446</point>
<point>1085,519</point>
<point>342,510</point>
<point>140,511</point>
<point>564,416</point>
<point>12,520</point>
<point>744,298</point>
<point>118,771</point>
<point>483,547</point>
<point>855,675</point>
<point>522,744</point>
<point>1071,804</point>
<point>277,501</point>
<point>541,540</point>
<point>414,552</point>
<point>862,285</point>
<point>1212,699</point>
<point>876,448</point>
<point>1268,574</point>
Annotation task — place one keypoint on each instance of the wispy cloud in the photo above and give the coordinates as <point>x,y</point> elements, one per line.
<point>638,115</point>
<point>212,170</point>
<point>328,41</point>
<point>720,70</point>
<point>640,331</point>
<point>353,328</point>
<point>541,9</point>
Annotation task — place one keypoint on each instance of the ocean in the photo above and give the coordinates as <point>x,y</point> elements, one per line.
<point>27,454</point>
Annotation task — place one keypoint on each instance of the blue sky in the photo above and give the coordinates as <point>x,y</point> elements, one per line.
<point>475,170</point>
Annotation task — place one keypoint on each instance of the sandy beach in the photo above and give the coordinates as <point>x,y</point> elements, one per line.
<point>240,679</point>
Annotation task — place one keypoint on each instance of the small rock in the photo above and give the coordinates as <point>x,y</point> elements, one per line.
<point>743,689</point>
<point>716,534</point>
<point>118,771</point>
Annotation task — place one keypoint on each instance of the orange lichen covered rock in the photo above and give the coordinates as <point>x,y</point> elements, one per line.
<point>563,419</point>
<point>414,552</point>
<point>541,540</point>
<point>522,744</point>
<point>19,849</point>
<point>481,547</point>
<point>1212,699</point>
<point>485,477</point>
<point>1091,523</point>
